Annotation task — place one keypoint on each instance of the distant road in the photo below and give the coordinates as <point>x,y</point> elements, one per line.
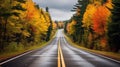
<point>59,53</point>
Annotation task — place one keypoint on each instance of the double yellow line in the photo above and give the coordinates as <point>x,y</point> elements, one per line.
<point>61,62</point>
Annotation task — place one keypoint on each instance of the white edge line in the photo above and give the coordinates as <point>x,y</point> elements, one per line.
<point>100,55</point>
<point>105,57</point>
<point>15,57</point>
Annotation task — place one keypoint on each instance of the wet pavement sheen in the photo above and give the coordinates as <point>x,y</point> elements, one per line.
<point>47,56</point>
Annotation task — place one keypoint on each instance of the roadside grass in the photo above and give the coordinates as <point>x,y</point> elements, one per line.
<point>20,50</point>
<point>112,55</point>
<point>8,54</point>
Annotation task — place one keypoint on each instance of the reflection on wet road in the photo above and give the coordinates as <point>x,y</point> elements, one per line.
<point>59,53</point>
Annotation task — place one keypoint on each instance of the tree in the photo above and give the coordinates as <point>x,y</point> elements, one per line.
<point>8,9</point>
<point>23,22</point>
<point>80,8</point>
<point>71,27</point>
<point>87,24</point>
<point>92,17</point>
<point>114,27</point>
<point>87,18</point>
<point>50,27</point>
<point>100,19</point>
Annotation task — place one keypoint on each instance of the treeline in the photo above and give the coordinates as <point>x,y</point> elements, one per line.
<point>59,24</point>
<point>96,24</point>
<point>23,23</point>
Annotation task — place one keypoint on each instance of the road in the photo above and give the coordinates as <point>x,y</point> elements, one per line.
<point>59,53</point>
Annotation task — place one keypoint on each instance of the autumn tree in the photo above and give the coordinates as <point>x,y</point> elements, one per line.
<point>38,20</point>
<point>71,28</point>
<point>100,21</point>
<point>8,9</point>
<point>92,18</point>
<point>22,23</point>
<point>87,24</point>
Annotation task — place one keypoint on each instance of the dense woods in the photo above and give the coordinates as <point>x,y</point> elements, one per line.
<point>95,24</point>
<point>23,23</point>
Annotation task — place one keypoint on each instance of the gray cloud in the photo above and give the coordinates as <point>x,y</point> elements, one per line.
<point>59,9</point>
<point>60,14</point>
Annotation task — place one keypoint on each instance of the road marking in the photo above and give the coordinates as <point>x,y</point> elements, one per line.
<point>102,56</point>
<point>98,55</point>
<point>61,62</point>
<point>15,57</point>
<point>6,61</point>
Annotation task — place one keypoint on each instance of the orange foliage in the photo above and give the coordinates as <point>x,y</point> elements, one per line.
<point>30,10</point>
<point>103,42</point>
<point>100,18</point>
<point>87,17</point>
<point>54,25</point>
<point>33,28</point>
<point>68,27</point>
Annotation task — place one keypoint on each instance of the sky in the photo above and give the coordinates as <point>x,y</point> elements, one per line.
<point>59,9</point>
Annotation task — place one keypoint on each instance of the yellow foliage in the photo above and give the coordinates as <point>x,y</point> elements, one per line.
<point>109,4</point>
<point>29,5</point>
<point>91,8</point>
<point>38,18</point>
<point>87,18</point>
<point>70,27</point>
<point>26,33</point>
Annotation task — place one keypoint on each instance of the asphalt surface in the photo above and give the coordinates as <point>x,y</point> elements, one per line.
<point>48,56</point>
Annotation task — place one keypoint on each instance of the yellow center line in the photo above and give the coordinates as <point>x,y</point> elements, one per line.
<point>61,62</point>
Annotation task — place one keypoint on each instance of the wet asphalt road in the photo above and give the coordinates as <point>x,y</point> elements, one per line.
<point>48,56</point>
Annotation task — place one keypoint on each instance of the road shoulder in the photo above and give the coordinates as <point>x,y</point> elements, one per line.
<point>7,56</point>
<point>105,54</point>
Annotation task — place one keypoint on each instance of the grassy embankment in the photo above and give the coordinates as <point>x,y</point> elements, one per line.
<point>17,50</point>
<point>112,55</point>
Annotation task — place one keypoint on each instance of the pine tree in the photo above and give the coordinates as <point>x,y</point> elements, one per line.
<point>49,28</point>
<point>114,27</point>
<point>80,8</point>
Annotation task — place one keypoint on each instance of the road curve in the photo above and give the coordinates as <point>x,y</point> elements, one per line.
<point>59,53</point>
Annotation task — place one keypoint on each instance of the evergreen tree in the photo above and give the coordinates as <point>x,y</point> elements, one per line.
<point>114,27</point>
<point>80,8</point>
<point>65,26</point>
<point>49,28</point>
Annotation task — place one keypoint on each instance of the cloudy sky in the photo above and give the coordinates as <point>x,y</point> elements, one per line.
<point>59,9</point>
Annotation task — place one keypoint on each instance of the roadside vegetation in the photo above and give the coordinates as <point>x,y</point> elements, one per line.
<point>95,25</point>
<point>109,54</point>
<point>23,26</point>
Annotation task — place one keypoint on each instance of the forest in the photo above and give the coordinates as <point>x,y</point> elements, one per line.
<point>95,25</point>
<point>24,24</point>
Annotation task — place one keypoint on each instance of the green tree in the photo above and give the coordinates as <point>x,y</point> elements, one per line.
<point>114,27</point>
<point>80,8</point>
<point>49,28</point>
